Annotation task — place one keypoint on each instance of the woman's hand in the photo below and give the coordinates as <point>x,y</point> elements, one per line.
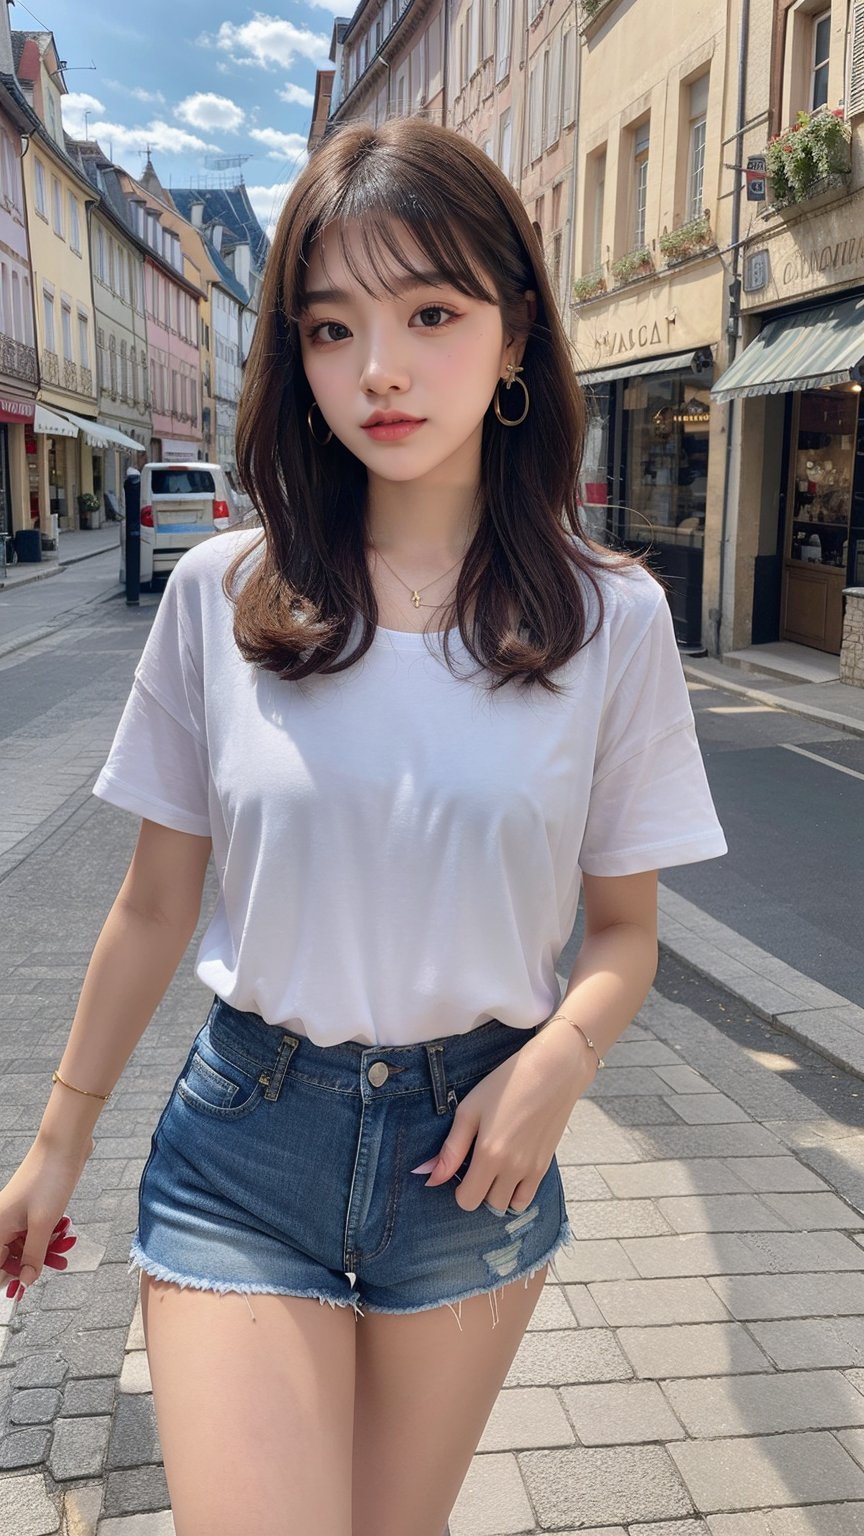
<point>518,1114</point>
<point>33,1230</point>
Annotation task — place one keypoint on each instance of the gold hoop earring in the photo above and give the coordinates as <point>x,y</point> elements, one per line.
<point>513,378</point>
<point>321,441</point>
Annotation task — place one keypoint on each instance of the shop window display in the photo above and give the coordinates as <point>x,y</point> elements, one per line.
<point>666,445</point>
<point>823,471</point>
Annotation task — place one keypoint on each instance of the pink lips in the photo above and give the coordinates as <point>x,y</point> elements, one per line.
<point>391,431</point>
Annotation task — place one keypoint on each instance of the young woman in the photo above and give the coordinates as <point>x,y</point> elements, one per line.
<point>409,719</point>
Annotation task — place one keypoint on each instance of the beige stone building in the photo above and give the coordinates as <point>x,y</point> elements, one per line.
<point>389,59</point>
<point>794,512</point>
<point>652,218</point>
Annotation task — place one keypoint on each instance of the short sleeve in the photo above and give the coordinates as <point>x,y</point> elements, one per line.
<point>158,763</point>
<point>650,805</point>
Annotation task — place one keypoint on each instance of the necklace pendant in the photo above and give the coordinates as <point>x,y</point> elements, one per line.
<point>415,598</point>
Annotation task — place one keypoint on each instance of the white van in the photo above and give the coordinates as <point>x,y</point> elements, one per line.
<point>181,504</point>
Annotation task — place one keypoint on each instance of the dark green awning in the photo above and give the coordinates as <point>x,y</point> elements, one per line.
<point>814,347</point>
<point>690,361</point>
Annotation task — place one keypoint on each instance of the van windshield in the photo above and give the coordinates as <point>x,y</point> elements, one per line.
<point>182,482</point>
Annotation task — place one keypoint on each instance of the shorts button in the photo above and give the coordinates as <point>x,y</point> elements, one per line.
<point>378,1073</point>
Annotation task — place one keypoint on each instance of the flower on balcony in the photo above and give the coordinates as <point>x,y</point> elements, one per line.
<point>634,264</point>
<point>687,239</point>
<point>590,9</point>
<point>808,155</point>
<point>588,286</point>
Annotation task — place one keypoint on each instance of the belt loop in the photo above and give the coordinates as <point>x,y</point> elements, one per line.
<point>435,1054</point>
<point>276,1078</point>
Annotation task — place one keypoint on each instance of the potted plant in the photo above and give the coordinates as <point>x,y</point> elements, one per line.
<point>687,240</point>
<point>808,156</point>
<point>588,286</point>
<point>88,506</point>
<point>634,264</point>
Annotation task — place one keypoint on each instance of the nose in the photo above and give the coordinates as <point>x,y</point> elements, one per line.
<point>383,370</point>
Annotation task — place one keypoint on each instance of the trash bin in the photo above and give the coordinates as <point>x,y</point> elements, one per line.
<point>28,544</point>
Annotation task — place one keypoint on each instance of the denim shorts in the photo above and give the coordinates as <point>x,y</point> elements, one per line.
<point>282,1166</point>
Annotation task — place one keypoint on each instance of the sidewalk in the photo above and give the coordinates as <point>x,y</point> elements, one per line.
<point>74,545</point>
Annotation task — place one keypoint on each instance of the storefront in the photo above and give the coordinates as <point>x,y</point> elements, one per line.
<point>813,358</point>
<point>645,471</point>
<point>15,415</point>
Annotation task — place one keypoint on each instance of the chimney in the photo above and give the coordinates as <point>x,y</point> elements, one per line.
<point>7,65</point>
<point>196,214</point>
<point>216,237</point>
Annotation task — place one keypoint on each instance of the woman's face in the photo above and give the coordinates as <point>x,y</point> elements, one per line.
<point>431,354</point>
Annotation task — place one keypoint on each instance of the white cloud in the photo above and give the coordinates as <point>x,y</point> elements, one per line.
<point>268,42</point>
<point>267,203</point>
<point>280,146</point>
<point>207,110</point>
<point>140,94</point>
<point>118,141</point>
<point>296,95</point>
<point>73,108</point>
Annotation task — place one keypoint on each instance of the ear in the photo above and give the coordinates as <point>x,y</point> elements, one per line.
<point>530,298</point>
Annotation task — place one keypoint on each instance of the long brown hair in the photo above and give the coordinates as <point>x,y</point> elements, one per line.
<point>296,611</point>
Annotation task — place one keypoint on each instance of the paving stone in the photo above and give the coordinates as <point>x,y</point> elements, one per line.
<point>805,1342</point>
<point>761,1471</point>
<point>721,1213</point>
<point>583,1183</point>
<point>683,1079</point>
<point>79,1446</point>
<point>643,1053</point>
<point>759,1296</point>
<point>66,1291</point>
<point>602,1485</point>
<point>553,1359</point>
<point>24,1447</point>
<point>44,1370</point>
<point>88,1397</point>
<point>583,1144</point>
<point>96,1352</point>
<point>34,1405</point>
<point>749,1405</point>
<point>620,1413</point>
<point>526,1417</point>
<point>809,1212</point>
<point>599,1219</point>
<point>112,1310</point>
<point>492,1500</point>
<point>626,1080</point>
<point>816,1520</point>
<point>696,1253</point>
<point>552,1311</point>
<point>81,1508</point>
<point>697,1349</point>
<point>161,1524</point>
<point>135,1338</point>
<point>671,1528</point>
<point>598,1260</point>
<point>775,1173</point>
<point>26,1509</point>
<point>706,1108</point>
<point>654,1302</point>
<point>584,1308</point>
<point>702,1141</point>
<point>135,1491</point>
<point>135,1375</point>
<point>853,1440</point>
<point>641,1109</point>
<point>134,1435</point>
<point>688,1176</point>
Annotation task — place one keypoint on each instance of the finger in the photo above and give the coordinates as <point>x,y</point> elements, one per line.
<point>452,1154</point>
<point>62,1244</point>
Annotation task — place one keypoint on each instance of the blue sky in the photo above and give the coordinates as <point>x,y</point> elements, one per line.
<point>192,79</point>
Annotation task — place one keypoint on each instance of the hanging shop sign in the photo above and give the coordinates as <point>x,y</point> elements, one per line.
<point>756,174</point>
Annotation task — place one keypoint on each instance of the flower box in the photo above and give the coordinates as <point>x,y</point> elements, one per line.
<point>589,286</point>
<point>811,156</point>
<point>687,240</point>
<point>634,264</point>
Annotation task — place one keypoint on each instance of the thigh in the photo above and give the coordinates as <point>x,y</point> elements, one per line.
<point>254,1404</point>
<point>424,1390</point>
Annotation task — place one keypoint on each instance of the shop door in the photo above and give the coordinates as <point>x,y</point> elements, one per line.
<point>816,547</point>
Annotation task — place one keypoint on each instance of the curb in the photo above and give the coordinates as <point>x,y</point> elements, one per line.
<point>776,700</point>
<point>33,636</point>
<point>53,567</point>
<point>795,1004</point>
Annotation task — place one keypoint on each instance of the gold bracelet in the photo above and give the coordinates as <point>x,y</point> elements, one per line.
<point>574,1025</point>
<point>56,1078</point>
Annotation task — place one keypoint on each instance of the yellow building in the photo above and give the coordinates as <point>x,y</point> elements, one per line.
<point>57,197</point>
<point>649,280</point>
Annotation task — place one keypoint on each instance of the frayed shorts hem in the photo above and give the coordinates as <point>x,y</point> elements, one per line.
<point>565,1236</point>
<point>139,1260</point>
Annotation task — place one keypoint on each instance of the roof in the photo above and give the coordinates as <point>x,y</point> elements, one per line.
<point>35,125</point>
<point>226,276</point>
<point>230,207</point>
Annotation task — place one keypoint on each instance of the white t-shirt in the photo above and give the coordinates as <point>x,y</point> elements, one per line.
<point>399,851</point>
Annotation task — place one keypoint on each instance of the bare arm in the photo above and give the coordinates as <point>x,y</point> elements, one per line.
<point>142,942</point>
<point>614,968</point>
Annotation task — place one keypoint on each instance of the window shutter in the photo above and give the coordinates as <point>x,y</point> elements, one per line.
<point>856,73</point>
<point>554,98</point>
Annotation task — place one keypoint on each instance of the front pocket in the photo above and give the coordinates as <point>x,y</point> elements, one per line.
<point>213,1092</point>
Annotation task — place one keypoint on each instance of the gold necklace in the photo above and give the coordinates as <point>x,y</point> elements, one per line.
<point>415,591</point>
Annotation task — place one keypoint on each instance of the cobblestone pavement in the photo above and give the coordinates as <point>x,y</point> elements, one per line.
<point>695,1365</point>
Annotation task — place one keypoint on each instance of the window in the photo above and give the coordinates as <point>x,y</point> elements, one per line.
<point>39,174</point>
<point>100,253</point>
<point>505,141</point>
<point>552,93</point>
<point>597,182</point>
<point>83,340</point>
<point>52,117</point>
<point>698,109</point>
<point>66,311</point>
<point>5,301</point>
<point>124,372</point>
<point>182,482</point>
<point>640,182</point>
<point>74,225</point>
<point>112,271</point>
<point>48,311</point>
<point>503,23</point>
<point>471,36</point>
<point>535,114</point>
<point>57,191</point>
<point>112,365</point>
<point>819,70</point>
<point>17,312</point>
<point>544,102</point>
<point>568,78</point>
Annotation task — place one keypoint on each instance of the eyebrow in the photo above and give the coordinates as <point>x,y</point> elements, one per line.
<point>406,284</point>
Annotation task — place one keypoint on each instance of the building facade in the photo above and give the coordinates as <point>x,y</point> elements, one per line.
<point>389,60</point>
<point>18,366</point>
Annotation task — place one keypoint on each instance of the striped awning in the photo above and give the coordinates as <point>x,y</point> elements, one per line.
<point>815,347</point>
<point>674,362</point>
